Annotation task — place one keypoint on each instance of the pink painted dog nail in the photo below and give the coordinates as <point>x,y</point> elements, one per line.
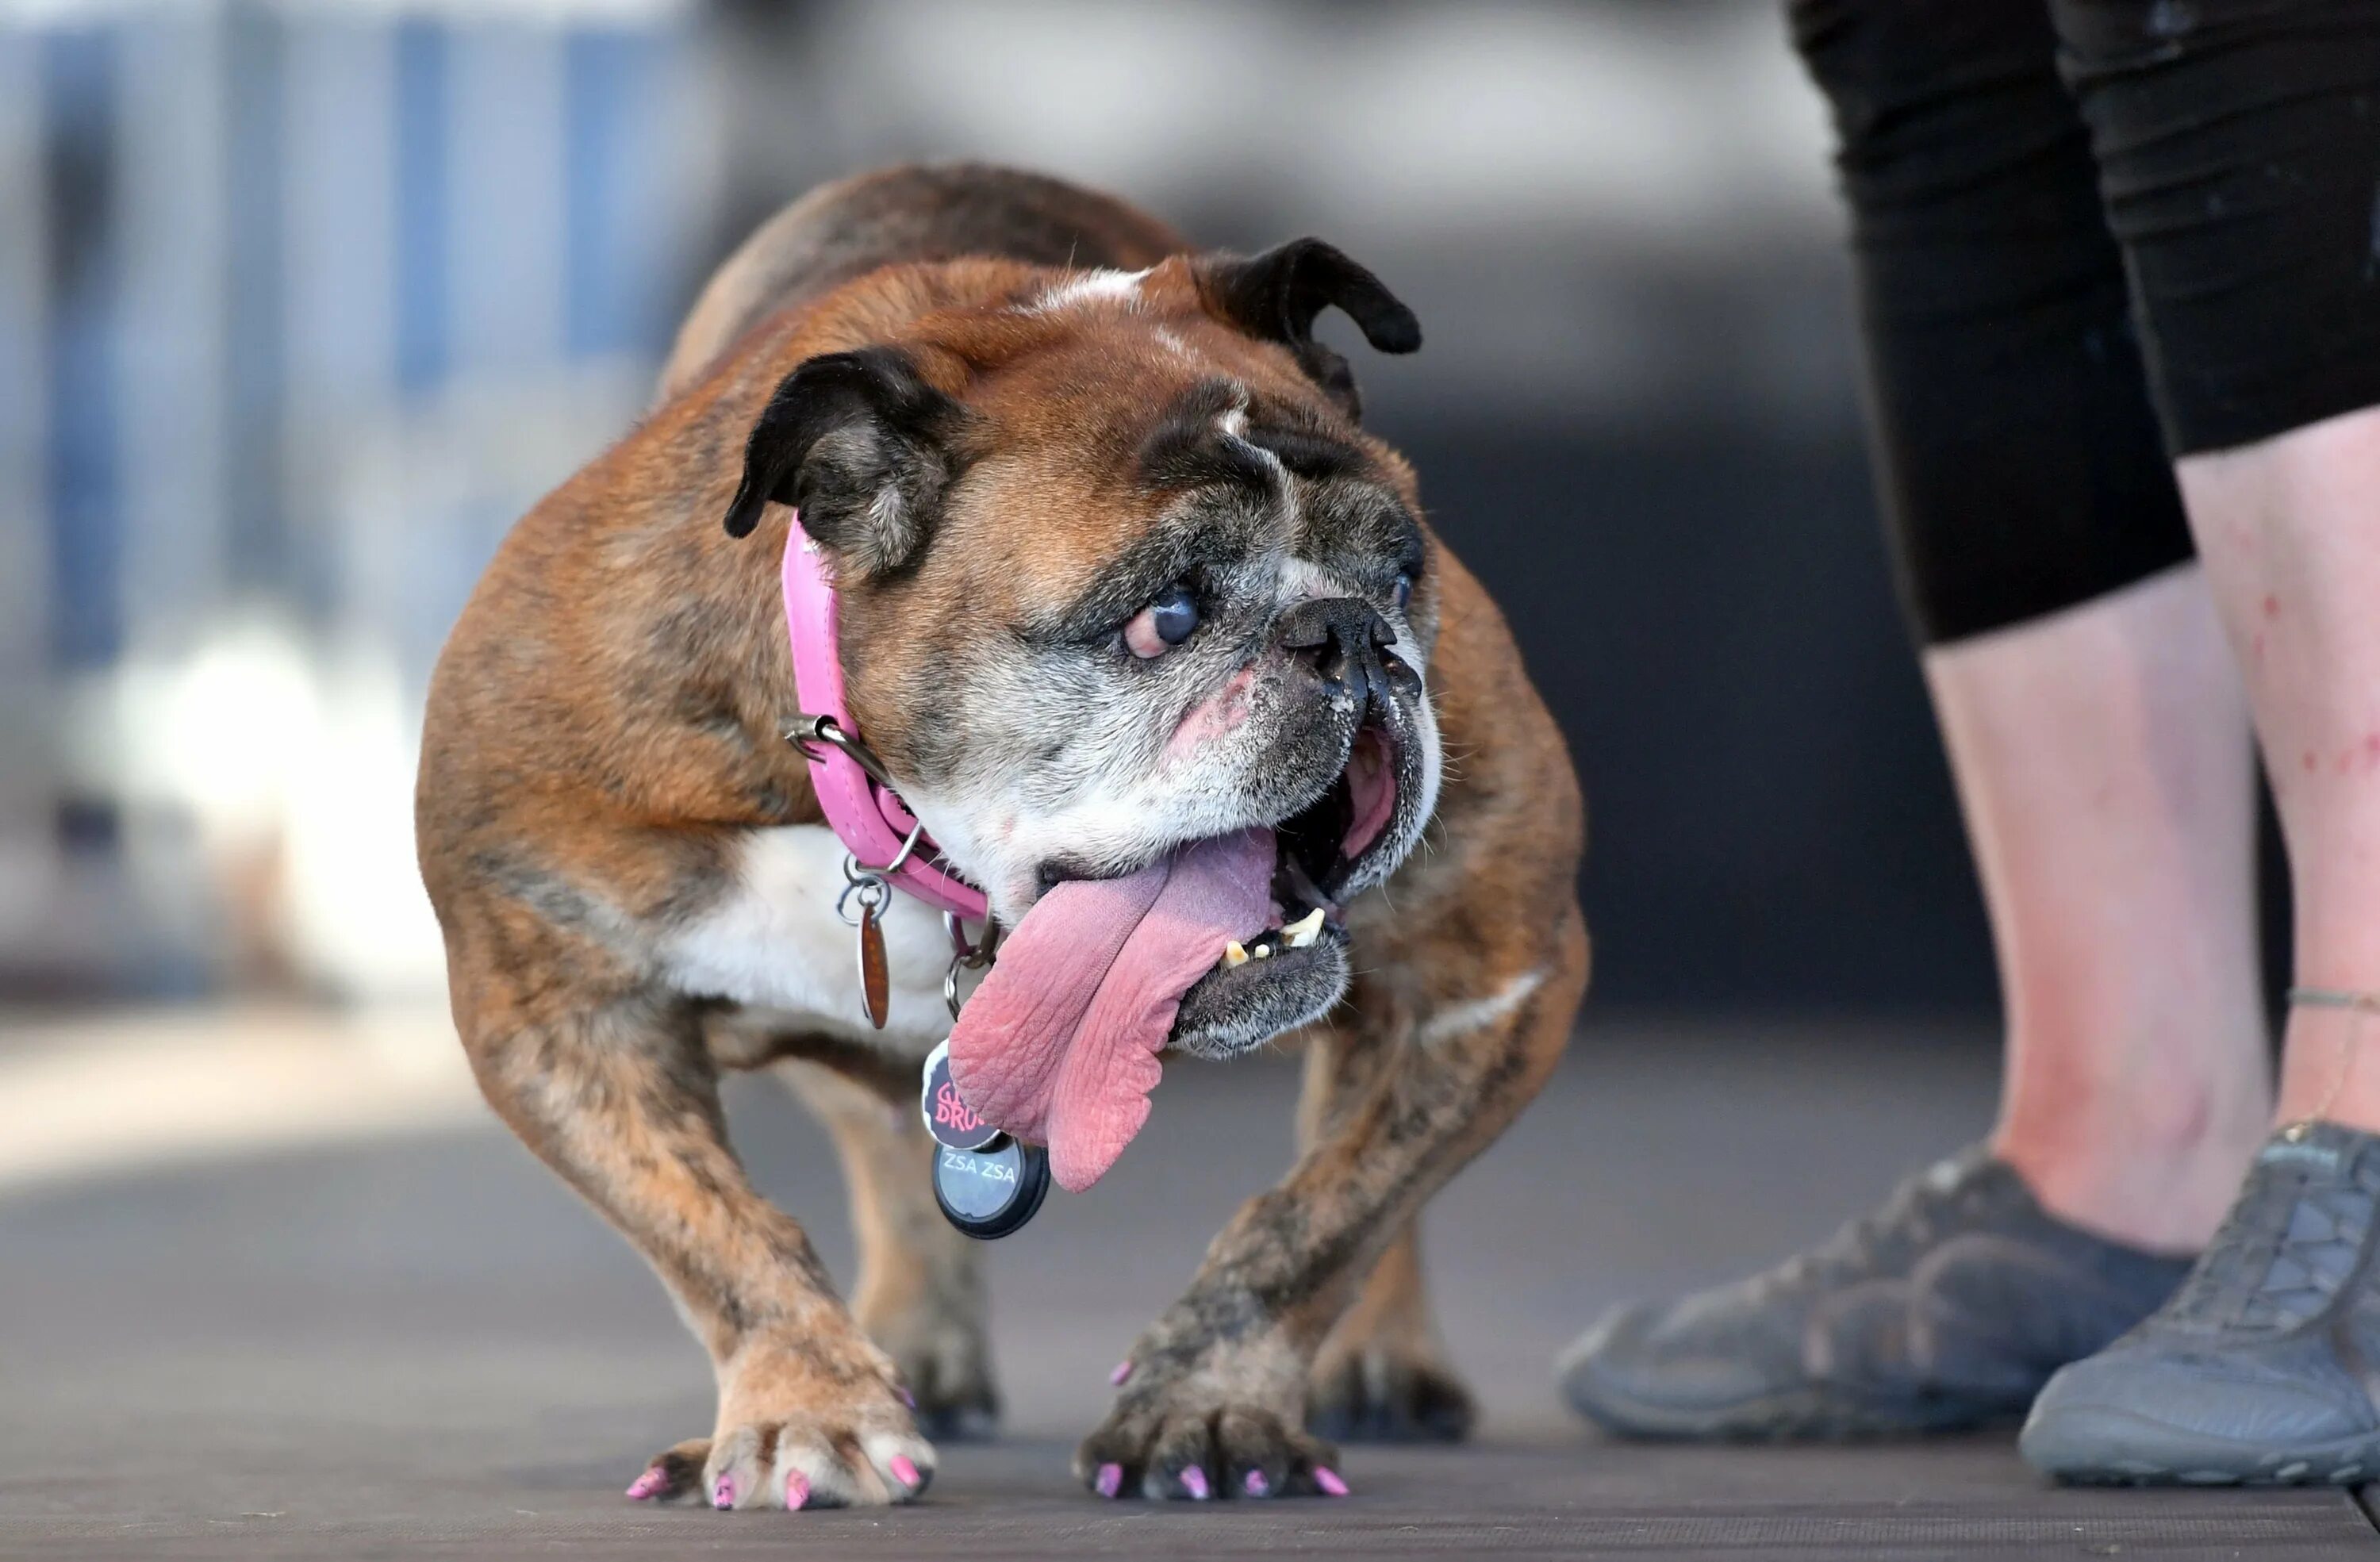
<point>908,1398</point>
<point>1257,1486</point>
<point>722,1495</point>
<point>798,1490</point>
<point>904,1470</point>
<point>1122,1371</point>
<point>1194,1481</point>
<point>645,1488</point>
<point>1110,1480</point>
<point>1327,1479</point>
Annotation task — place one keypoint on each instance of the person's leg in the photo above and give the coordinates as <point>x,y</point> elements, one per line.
<point>2259,1368</point>
<point>2290,529</point>
<point>2096,728</point>
<point>2239,158</point>
<point>2103,769</point>
<point>2100,750</point>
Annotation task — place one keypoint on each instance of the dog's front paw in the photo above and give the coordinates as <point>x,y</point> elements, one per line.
<point>1218,1422</point>
<point>799,1427</point>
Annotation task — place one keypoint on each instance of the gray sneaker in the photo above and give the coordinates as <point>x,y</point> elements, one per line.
<point>1946,1308</point>
<point>2261,1368</point>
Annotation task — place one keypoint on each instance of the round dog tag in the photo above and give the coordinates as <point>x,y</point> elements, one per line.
<point>947,1117</point>
<point>987,1183</point>
<point>991,1192</point>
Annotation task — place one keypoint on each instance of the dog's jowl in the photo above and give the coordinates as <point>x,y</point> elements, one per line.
<point>1155,641</point>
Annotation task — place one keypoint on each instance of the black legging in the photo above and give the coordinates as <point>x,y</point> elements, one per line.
<point>2093,235</point>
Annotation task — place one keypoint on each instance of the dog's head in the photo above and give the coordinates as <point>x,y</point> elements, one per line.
<point>1119,571</point>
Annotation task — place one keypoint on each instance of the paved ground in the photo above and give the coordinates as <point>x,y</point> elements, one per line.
<point>423,1345</point>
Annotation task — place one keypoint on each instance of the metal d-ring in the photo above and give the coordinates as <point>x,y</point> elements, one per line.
<point>965,956</point>
<point>909,849</point>
<point>974,957</point>
<point>874,893</point>
<point>874,884</point>
<point>809,729</point>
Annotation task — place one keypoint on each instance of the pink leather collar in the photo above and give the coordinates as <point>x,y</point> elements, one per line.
<point>863,810</point>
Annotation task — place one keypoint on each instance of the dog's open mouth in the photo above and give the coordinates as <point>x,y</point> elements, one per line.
<point>1237,935</point>
<point>1317,850</point>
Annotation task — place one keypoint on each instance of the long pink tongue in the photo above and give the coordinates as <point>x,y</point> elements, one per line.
<point>1059,1046</point>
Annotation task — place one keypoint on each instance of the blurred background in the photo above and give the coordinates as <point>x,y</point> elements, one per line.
<point>302,303</point>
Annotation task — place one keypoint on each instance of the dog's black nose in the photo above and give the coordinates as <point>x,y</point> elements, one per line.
<point>1339,637</point>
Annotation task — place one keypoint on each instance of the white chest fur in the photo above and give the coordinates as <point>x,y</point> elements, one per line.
<point>773,942</point>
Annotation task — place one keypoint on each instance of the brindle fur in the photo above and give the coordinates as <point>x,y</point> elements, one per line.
<point>606,724</point>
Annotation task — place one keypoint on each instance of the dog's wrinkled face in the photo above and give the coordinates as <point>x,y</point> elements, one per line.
<point>1143,583</point>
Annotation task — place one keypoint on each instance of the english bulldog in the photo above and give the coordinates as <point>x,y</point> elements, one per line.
<point>1157,644</point>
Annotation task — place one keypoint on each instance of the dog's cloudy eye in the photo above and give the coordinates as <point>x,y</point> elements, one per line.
<point>1404,591</point>
<point>1161,625</point>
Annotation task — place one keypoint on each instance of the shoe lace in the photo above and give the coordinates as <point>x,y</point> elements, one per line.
<point>1906,1221</point>
<point>2283,1251</point>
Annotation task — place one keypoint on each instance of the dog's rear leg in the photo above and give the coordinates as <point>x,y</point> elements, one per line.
<point>1382,1373</point>
<point>622,1100</point>
<point>920,1291</point>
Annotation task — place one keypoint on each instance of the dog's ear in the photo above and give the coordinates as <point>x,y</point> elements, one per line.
<point>863,447</point>
<point>1276,295</point>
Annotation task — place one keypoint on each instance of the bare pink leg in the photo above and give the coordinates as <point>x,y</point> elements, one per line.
<point>2103,763</point>
<point>2289,530</point>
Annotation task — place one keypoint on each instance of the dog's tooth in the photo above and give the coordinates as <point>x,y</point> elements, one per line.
<point>1304,930</point>
<point>1262,951</point>
<point>1235,954</point>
